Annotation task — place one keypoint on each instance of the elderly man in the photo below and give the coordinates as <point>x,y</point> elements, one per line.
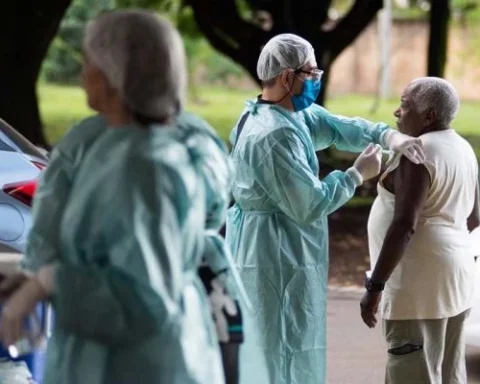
<point>419,243</point>
<point>277,230</point>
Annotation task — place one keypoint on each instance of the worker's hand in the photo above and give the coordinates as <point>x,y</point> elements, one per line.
<point>9,284</point>
<point>20,305</point>
<point>369,307</point>
<point>368,163</point>
<point>410,147</point>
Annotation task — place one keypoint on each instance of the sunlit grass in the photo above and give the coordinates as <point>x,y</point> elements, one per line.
<point>62,106</point>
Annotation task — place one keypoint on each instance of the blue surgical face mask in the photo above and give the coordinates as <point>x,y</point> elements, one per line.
<point>310,91</point>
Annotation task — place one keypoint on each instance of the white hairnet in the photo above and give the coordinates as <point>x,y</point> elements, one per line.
<point>283,52</point>
<point>143,57</point>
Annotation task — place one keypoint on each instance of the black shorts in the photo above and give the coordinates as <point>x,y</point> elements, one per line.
<point>226,311</point>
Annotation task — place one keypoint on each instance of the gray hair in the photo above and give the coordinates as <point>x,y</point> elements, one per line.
<point>142,57</point>
<point>282,52</point>
<point>438,94</point>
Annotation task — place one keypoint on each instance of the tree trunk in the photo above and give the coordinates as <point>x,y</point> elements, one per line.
<point>324,63</point>
<point>438,41</point>
<point>27,30</point>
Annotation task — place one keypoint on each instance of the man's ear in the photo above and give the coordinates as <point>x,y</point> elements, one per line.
<point>429,117</point>
<point>286,79</point>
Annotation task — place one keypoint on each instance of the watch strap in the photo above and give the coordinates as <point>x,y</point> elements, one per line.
<point>373,286</point>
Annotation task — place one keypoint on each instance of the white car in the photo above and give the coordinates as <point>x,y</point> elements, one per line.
<point>21,163</point>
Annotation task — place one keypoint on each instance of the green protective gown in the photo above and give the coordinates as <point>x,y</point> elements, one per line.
<point>129,307</point>
<point>277,232</point>
<point>66,158</point>
<point>53,191</point>
<point>217,170</point>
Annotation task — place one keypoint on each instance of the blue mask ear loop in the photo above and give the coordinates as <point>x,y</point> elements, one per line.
<point>289,91</point>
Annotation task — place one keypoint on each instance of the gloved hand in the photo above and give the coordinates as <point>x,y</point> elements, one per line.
<point>368,163</point>
<point>408,146</point>
<point>20,305</point>
<point>46,277</point>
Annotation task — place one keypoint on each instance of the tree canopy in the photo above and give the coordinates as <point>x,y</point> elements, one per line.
<point>239,29</point>
<point>236,28</point>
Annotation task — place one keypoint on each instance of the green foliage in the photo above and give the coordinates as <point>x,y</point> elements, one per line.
<point>139,3</point>
<point>218,68</point>
<point>186,24</point>
<point>418,9</point>
<point>64,59</point>
<point>221,69</point>
<point>158,5</point>
<point>462,10</point>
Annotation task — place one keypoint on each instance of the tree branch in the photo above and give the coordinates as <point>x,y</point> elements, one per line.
<point>310,16</point>
<point>356,20</point>
<point>218,42</point>
<point>225,16</point>
<point>226,30</point>
<point>275,9</point>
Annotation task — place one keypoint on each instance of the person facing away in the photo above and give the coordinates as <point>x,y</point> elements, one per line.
<point>54,190</point>
<point>277,229</point>
<point>129,306</point>
<point>423,275</point>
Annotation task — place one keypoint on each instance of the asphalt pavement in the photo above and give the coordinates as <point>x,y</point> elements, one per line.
<point>357,354</point>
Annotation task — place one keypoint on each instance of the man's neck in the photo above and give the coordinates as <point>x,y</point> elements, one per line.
<point>118,118</point>
<point>279,97</point>
<point>436,128</point>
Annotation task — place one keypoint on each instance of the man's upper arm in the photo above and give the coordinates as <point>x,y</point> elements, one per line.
<point>473,220</point>
<point>412,184</point>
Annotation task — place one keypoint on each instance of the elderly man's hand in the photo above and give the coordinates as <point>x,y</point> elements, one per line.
<point>410,147</point>
<point>10,284</point>
<point>20,305</point>
<point>369,307</point>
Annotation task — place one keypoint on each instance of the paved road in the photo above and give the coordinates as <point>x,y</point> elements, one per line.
<point>356,354</point>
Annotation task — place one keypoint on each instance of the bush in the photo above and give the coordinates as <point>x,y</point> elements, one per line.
<point>63,63</point>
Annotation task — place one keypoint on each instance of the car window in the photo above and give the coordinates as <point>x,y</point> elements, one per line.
<point>20,141</point>
<point>5,147</point>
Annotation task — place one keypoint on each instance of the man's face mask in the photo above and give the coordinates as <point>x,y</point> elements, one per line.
<point>311,88</point>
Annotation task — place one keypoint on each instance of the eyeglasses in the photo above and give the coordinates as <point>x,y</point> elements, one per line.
<point>314,74</point>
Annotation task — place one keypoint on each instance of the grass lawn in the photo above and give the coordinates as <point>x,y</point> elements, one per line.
<point>62,106</point>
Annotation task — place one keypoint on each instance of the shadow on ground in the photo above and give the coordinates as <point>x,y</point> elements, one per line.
<point>349,246</point>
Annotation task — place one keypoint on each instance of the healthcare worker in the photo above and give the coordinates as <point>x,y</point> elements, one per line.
<point>53,193</point>
<point>277,229</point>
<point>215,271</point>
<point>129,305</point>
